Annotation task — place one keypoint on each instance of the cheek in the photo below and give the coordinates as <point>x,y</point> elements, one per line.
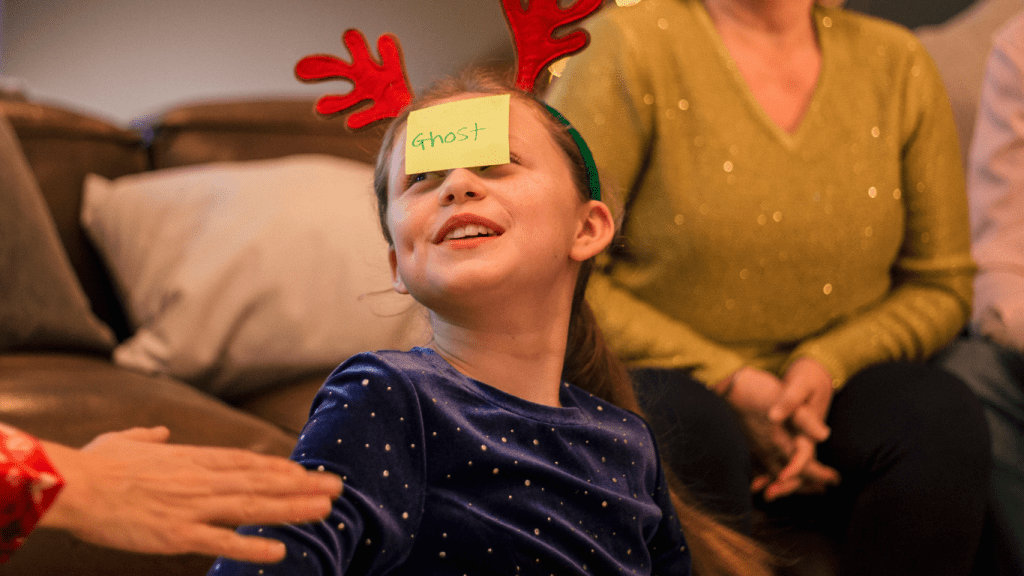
<point>407,226</point>
<point>398,221</point>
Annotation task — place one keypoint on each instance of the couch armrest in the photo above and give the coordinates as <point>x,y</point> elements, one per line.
<point>71,399</point>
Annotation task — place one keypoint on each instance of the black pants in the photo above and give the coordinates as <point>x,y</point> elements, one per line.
<point>909,440</point>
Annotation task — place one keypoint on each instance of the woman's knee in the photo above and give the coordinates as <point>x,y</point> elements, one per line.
<point>903,408</point>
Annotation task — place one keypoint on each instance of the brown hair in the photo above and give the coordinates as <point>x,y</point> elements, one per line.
<point>589,363</point>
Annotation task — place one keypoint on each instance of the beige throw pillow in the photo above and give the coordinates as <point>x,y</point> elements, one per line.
<point>237,276</point>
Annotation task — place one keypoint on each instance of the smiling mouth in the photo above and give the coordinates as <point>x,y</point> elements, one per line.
<point>470,231</point>
<point>467,227</point>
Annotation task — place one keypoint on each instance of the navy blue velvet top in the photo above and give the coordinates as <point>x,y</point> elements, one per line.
<point>446,475</point>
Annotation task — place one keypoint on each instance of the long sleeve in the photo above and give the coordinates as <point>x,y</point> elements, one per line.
<point>364,426</point>
<point>28,486</point>
<point>996,192</point>
<point>930,298</point>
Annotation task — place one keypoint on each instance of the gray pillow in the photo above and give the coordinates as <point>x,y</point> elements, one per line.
<point>42,305</point>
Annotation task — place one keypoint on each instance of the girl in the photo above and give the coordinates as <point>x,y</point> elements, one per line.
<point>476,454</point>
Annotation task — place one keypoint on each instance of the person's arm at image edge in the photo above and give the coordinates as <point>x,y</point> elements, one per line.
<point>129,490</point>
<point>996,193</point>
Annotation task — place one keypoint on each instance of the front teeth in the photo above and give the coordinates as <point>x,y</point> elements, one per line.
<point>469,230</point>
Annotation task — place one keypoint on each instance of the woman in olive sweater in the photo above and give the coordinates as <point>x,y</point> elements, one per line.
<point>794,239</point>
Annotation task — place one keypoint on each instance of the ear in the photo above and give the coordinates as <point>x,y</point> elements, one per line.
<point>596,230</point>
<point>396,279</point>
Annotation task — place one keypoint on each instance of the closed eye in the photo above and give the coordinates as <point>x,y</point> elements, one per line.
<point>513,159</point>
<point>413,179</point>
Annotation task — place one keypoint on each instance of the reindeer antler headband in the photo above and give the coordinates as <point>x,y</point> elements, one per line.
<point>386,85</point>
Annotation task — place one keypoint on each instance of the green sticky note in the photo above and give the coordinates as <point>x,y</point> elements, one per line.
<point>460,134</point>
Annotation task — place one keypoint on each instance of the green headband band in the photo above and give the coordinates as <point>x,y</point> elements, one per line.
<point>593,181</point>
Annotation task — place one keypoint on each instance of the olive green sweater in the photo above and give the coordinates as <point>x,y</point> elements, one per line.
<point>845,241</point>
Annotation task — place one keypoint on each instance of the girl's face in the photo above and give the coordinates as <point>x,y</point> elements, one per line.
<point>491,230</point>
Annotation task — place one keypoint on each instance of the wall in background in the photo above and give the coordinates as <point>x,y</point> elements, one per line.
<point>126,59</point>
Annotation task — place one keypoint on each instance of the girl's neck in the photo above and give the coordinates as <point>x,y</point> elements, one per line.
<point>515,357</point>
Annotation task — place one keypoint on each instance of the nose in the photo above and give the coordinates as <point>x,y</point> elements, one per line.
<point>460,185</point>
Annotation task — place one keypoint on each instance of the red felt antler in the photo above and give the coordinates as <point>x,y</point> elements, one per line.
<point>385,83</point>
<point>533,32</point>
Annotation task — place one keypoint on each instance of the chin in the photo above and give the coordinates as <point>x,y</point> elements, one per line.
<point>464,289</point>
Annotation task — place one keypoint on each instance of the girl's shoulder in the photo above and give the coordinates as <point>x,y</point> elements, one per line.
<point>601,412</point>
<point>389,362</point>
<point>362,378</point>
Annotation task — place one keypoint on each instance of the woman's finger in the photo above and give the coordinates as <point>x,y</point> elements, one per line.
<point>157,434</point>
<point>215,541</point>
<point>806,421</point>
<point>802,455</point>
<point>781,488</point>
<point>270,483</point>
<point>818,473</point>
<point>792,397</point>
<point>240,510</point>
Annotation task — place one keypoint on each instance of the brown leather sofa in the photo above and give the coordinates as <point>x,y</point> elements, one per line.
<point>69,396</point>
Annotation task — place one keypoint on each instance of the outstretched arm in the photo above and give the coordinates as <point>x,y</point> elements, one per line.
<point>131,490</point>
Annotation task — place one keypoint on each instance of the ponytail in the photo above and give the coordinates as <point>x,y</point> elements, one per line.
<point>715,549</point>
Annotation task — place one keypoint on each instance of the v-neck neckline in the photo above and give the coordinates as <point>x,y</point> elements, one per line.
<point>790,140</point>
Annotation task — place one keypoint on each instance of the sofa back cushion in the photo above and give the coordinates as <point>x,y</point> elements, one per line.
<point>61,147</point>
<point>254,130</point>
<point>42,305</point>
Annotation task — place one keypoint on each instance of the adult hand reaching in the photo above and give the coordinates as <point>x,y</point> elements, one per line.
<point>132,491</point>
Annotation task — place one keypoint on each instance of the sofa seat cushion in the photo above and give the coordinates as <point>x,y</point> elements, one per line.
<point>286,406</point>
<point>71,399</point>
<point>51,552</point>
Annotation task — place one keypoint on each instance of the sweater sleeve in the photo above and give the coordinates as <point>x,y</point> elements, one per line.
<point>930,298</point>
<point>996,193</point>
<point>601,92</point>
<point>28,486</point>
<point>365,425</point>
